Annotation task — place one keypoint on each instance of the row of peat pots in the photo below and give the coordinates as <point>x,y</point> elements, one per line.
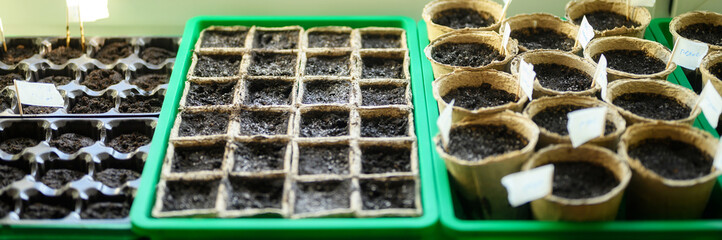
<point>649,174</point>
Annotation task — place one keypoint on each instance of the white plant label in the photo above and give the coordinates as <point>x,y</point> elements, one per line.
<point>711,104</point>
<point>688,54</point>
<point>586,124</point>
<point>506,33</point>
<point>527,186</point>
<point>444,123</point>
<point>642,3</point>
<point>87,10</point>
<point>39,94</point>
<point>586,33</point>
<point>718,157</point>
<point>600,74</point>
<point>526,78</point>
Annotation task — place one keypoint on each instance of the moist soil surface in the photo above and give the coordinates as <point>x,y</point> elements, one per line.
<point>155,55</point>
<point>90,104</point>
<point>326,92</point>
<point>38,109</point>
<point>465,54</point>
<point>542,38</point>
<point>114,177</point>
<point>100,79</point>
<point>370,40</point>
<point>44,211</point>
<point>184,195</point>
<point>458,18</point>
<point>578,180</point>
<point>192,159</point>
<point>148,82</point>
<point>328,65</point>
<point>57,80</point>
<point>56,178</point>
<point>322,196</point>
<point>605,20</point>
<point>374,67</point>
<point>328,40</point>
<point>258,156</point>
<point>271,64</point>
<point>263,123</point>
<point>210,94</point>
<point>276,39</point>
<point>268,92</point>
<point>61,55</point>
<point>70,142</point>
<point>562,78</point>
<point>217,66</point>
<point>716,70</point>
<point>379,95</point>
<point>636,61</point>
<point>483,96</point>
<point>204,123</point>
<point>223,39</point>
<point>708,33</point>
<point>377,195</point>
<point>140,104</point>
<point>384,126</point>
<point>17,53</point>
<point>672,159</point>
<point>329,159</point>
<point>17,145</point>
<point>554,119</point>
<point>654,106</point>
<point>385,159</point>
<point>254,193</point>
<point>324,124</point>
<point>476,142</point>
<point>128,142</point>
<point>7,79</point>
<point>110,53</point>
<point>9,174</point>
<point>106,210</point>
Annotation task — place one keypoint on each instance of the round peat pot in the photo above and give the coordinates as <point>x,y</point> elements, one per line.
<point>711,68</point>
<point>469,50</point>
<point>443,16</point>
<point>478,93</point>
<point>698,26</point>
<point>483,150</point>
<point>632,58</point>
<point>543,31</point>
<point>652,101</point>
<point>552,111</point>
<point>609,17</point>
<point>598,175</point>
<point>673,173</point>
<point>558,73</point>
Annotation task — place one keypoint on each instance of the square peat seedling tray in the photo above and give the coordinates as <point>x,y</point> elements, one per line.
<point>260,46</point>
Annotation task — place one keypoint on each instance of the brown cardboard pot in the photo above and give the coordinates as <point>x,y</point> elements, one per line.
<point>655,49</point>
<point>680,22</point>
<point>577,8</point>
<point>682,94</point>
<point>471,36</point>
<point>543,20</point>
<point>710,60</point>
<point>482,6</point>
<point>556,57</point>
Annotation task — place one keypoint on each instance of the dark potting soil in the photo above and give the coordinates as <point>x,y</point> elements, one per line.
<point>385,159</point>
<point>155,55</point>
<point>39,110</point>
<point>672,159</point>
<point>466,54</point>
<point>184,195</point>
<point>110,53</point>
<point>542,38</point>
<point>6,205</point>
<point>374,67</point>
<point>61,55</point>
<point>705,32</point>
<point>204,158</point>
<point>114,177</point>
<point>272,64</point>
<point>605,20</point>
<point>268,92</point>
<point>70,142</point>
<point>56,178</point>
<point>6,102</point>
<point>562,78</point>
<point>100,79</point>
<point>57,80</point>
<point>210,94</point>
<point>479,97</point>
<point>148,82</point>
<point>328,65</point>
<point>106,210</point>
<point>328,159</point>
<point>554,119</point>
<point>328,40</point>
<point>223,39</point>
<point>17,53</point>
<point>129,142</point>
<point>716,70</point>
<point>636,61</point>
<point>322,196</point>
<point>204,123</point>
<point>370,40</point>
<point>458,18</point>
<point>379,95</point>
<point>654,106</point>
<point>7,79</point>
<point>326,92</point>
<point>263,123</point>
<point>276,39</point>
<point>91,104</point>
<point>377,194</point>
<point>476,142</point>
<point>44,211</point>
<point>578,180</point>
<point>217,66</point>
<point>259,156</point>
<point>384,126</point>
<point>9,174</point>
<point>254,193</point>
<point>324,124</point>
<point>140,104</point>
<point>17,145</point>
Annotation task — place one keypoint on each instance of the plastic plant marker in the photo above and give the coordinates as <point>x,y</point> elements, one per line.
<point>600,74</point>
<point>444,123</point>
<point>87,10</point>
<point>503,11</point>
<point>506,33</point>
<point>717,163</point>
<point>688,54</point>
<point>530,185</point>
<point>526,78</point>
<point>2,33</point>
<point>586,33</point>
<point>642,3</point>
<point>38,94</point>
<point>711,104</point>
<point>586,124</point>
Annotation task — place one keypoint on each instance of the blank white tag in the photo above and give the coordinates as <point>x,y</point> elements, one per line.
<point>527,186</point>
<point>586,33</point>
<point>586,124</point>
<point>526,78</point>
<point>506,33</point>
<point>39,94</point>
<point>688,54</point>
<point>717,163</point>
<point>642,3</point>
<point>444,123</point>
<point>600,74</point>
<point>88,10</point>
<point>711,104</point>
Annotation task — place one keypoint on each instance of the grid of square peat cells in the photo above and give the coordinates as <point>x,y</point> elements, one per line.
<point>294,123</point>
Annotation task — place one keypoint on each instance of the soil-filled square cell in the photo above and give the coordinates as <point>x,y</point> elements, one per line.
<point>276,39</point>
<point>328,65</point>
<point>259,156</point>
<point>264,123</point>
<point>376,67</point>
<point>203,123</point>
<point>385,159</point>
<point>323,159</point>
<point>321,196</point>
<point>320,39</point>
<point>272,64</point>
<point>254,193</point>
<point>377,194</point>
<point>379,95</point>
<point>326,92</point>
<point>198,158</point>
<point>210,94</point>
<point>268,92</point>
<point>384,126</point>
<point>137,103</point>
<point>223,39</point>
<point>186,195</point>
<point>380,40</point>
<point>318,123</point>
<point>86,104</point>
<point>217,66</point>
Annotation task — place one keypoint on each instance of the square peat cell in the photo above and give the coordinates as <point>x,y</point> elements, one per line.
<point>272,64</point>
<point>224,38</point>
<point>377,67</point>
<point>217,66</point>
<point>264,122</point>
<point>197,158</point>
<point>254,192</point>
<point>185,195</point>
<point>380,40</point>
<point>385,159</point>
<point>384,126</point>
<point>210,94</point>
<point>323,159</point>
<point>317,123</point>
<point>268,92</point>
<point>312,197</point>
<point>326,92</point>
<point>276,39</point>
<point>319,39</point>
<point>203,123</point>
<point>379,194</point>
<point>328,65</point>
<point>380,95</point>
<point>259,156</point>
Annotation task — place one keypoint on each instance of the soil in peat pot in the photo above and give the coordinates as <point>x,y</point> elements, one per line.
<point>578,180</point>
<point>326,92</point>
<point>328,65</point>
<point>185,195</point>
<point>554,119</point>
<point>106,210</point>
<point>562,78</point>
<point>483,96</point>
<point>324,123</point>
<point>276,39</point>
<point>377,194</point>
<point>111,52</point>
<point>210,94</point>
<point>672,159</point>
<point>70,142</point>
<point>268,92</point>
<point>322,196</point>
<point>716,70</point>
<point>254,193</point>
<point>475,142</point>
<point>328,40</point>
<point>385,159</point>
<point>217,66</point>
<point>263,123</point>
<point>203,123</point>
<point>100,79</point>
<point>323,159</point>
<point>259,156</point>
<point>223,39</point>
<point>542,38</point>
<point>632,61</point>
<point>466,54</point>
<point>375,67</point>
<point>380,40</point>
<point>705,32</point>
<point>198,158</point>
<point>652,105</point>
<point>379,95</point>
<point>458,18</point>
<point>129,142</point>
<point>384,126</point>
<point>273,64</point>
<point>605,20</point>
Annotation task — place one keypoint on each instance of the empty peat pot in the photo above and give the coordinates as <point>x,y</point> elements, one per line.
<point>609,17</point>
<point>543,31</point>
<point>478,93</point>
<point>483,150</point>
<point>558,73</point>
<point>699,26</point>
<point>443,16</point>
<point>588,184</point>
<point>469,50</point>
<point>673,173</point>
<point>550,114</point>
<point>652,101</point>
<point>633,58</point>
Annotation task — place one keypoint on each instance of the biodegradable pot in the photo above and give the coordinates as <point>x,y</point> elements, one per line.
<point>690,18</point>
<point>480,181</point>
<point>654,197</point>
<point>655,49</point>
<point>682,94</point>
<point>576,9</point>
<point>433,8</point>
<point>497,80</point>
<point>600,208</point>
<point>710,60</point>
<point>556,57</point>
<point>471,36</point>
<point>547,137</point>
<point>544,20</point>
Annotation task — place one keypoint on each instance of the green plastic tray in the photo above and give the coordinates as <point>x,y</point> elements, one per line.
<point>460,221</point>
<point>253,228</point>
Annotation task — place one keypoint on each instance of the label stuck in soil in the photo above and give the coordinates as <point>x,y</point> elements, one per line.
<point>506,33</point>
<point>586,124</point>
<point>444,123</point>
<point>711,104</point>
<point>688,54</point>
<point>586,33</point>
<point>642,3</point>
<point>527,186</point>
<point>87,10</point>
<point>526,78</point>
<point>39,94</point>
<point>600,74</point>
